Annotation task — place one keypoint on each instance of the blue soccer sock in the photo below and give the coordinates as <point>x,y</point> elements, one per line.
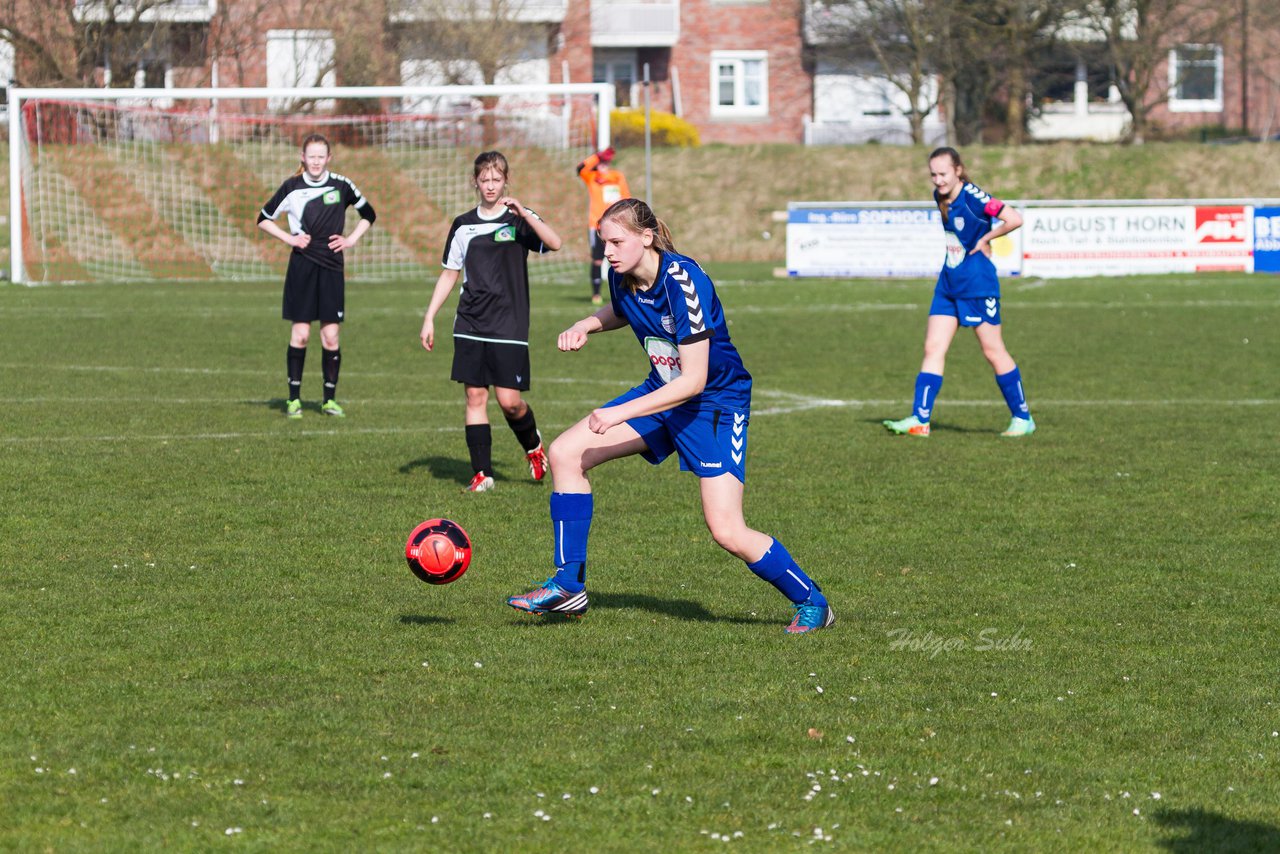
<point>779,569</point>
<point>1011,387</point>
<point>927,388</point>
<point>571,524</point>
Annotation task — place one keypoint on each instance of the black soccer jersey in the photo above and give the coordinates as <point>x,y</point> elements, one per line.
<point>493,255</point>
<point>320,209</point>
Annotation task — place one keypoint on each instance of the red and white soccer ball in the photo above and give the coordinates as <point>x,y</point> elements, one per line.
<point>438,551</point>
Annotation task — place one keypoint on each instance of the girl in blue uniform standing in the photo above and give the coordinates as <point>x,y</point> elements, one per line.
<point>967,294</point>
<point>694,403</point>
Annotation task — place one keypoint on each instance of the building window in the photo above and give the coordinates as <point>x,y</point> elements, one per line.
<point>299,59</point>
<point>1195,78</point>
<point>739,83</point>
<point>618,70</point>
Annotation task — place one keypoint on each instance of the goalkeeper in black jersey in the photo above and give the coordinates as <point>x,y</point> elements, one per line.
<point>316,202</point>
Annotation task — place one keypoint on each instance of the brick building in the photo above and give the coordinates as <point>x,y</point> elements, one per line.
<point>733,68</point>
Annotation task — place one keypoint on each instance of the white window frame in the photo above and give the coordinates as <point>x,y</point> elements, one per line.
<point>310,50</point>
<point>738,59</point>
<point>1195,105</point>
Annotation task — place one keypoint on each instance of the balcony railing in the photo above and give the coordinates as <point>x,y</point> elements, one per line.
<point>530,11</point>
<point>637,23</point>
<point>125,11</point>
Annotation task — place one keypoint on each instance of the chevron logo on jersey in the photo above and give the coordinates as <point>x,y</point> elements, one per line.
<point>697,322</point>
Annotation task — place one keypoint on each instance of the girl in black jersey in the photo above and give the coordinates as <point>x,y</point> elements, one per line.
<point>490,246</point>
<point>316,201</point>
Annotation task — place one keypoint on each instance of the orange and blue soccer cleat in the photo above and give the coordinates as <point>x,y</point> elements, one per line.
<point>810,617</point>
<point>551,598</point>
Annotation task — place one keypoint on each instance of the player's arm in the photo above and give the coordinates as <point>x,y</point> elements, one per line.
<point>1008,219</point>
<point>603,320</point>
<point>298,241</point>
<point>694,360</point>
<point>337,242</point>
<point>545,232</point>
<point>444,285</point>
<point>587,168</point>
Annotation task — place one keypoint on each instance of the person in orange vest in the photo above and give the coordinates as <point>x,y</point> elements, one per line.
<point>605,185</point>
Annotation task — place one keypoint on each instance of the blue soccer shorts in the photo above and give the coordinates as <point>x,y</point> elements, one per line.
<point>970,312</point>
<point>708,443</point>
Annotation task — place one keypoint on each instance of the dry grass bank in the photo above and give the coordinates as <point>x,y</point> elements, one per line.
<point>719,200</point>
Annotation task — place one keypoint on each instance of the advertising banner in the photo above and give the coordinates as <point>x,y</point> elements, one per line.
<point>903,241</point>
<point>1105,241</point>
<point>1057,240</point>
<point>1266,240</point>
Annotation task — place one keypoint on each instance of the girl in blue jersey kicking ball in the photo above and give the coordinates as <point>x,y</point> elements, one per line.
<point>695,403</point>
<point>967,294</point>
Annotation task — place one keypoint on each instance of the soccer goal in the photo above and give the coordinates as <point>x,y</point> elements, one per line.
<point>146,184</point>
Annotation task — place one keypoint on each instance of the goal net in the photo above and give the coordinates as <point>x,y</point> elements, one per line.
<point>139,184</point>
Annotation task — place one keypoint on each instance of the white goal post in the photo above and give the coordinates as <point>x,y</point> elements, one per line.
<point>146,184</point>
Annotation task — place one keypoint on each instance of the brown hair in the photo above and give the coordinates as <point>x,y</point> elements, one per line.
<point>310,138</point>
<point>491,160</point>
<point>948,151</point>
<point>636,216</point>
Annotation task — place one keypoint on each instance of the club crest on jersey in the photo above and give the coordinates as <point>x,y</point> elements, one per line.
<point>959,223</point>
<point>669,323</point>
<point>506,234</point>
<point>332,197</point>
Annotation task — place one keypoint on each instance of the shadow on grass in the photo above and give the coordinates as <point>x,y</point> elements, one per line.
<point>277,404</point>
<point>680,609</point>
<point>425,620</point>
<point>934,427</point>
<point>443,468</point>
<point>1196,830</point>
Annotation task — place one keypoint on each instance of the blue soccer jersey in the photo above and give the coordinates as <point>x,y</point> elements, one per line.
<point>966,220</point>
<point>682,308</point>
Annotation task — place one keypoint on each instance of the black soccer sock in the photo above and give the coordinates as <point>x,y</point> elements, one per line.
<point>480,445</point>
<point>330,361</point>
<point>526,429</point>
<point>595,278</point>
<point>294,360</point>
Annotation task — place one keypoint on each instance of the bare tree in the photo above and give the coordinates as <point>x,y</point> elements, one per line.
<point>472,42</point>
<point>899,35</point>
<point>1021,31</point>
<point>1139,34</point>
<point>64,43</point>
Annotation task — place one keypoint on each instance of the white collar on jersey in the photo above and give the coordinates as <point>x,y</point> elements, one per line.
<point>323,179</point>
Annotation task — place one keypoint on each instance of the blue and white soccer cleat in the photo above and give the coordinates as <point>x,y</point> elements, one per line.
<point>1020,427</point>
<point>551,598</point>
<point>810,617</point>
<point>909,426</point>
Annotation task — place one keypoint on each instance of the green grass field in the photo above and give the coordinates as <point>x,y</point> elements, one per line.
<point>210,637</point>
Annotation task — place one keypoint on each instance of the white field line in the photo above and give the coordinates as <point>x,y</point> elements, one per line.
<point>786,403</point>
<point>851,307</point>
